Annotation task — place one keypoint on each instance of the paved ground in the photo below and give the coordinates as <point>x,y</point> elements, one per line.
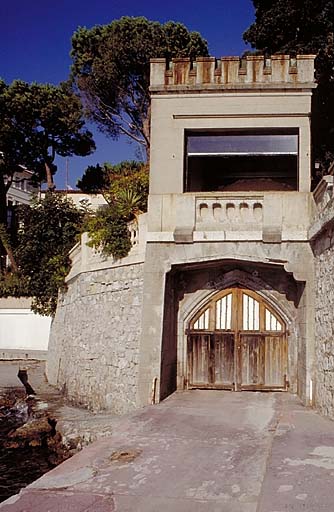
<point>198,451</point>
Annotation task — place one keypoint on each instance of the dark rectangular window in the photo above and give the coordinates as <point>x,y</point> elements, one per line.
<point>243,161</point>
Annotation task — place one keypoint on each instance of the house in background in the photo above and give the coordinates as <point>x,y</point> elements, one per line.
<point>82,200</point>
<point>20,192</point>
<point>22,188</point>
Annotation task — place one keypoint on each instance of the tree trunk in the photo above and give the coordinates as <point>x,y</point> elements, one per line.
<point>13,264</point>
<point>4,238</point>
<point>49,178</point>
<point>5,246</point>
<point>147,133</point>
<point>3,202</point>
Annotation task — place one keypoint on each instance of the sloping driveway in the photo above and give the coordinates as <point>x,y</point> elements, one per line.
<point>199,451</point>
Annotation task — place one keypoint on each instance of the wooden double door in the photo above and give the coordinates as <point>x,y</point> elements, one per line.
<point>237,342</point>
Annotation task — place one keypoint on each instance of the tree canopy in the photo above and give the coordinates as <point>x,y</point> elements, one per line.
<point>126,193</point>
<point>112,180</point>
<point>292,26</point>
<point>94,179</point>
<point>37,122</point>
<point>49,229</point>
<point>111,70</point>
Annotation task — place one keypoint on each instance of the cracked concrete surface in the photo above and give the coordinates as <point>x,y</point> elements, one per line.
<point>211,451</point>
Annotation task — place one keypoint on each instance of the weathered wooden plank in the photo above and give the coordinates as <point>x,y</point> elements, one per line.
<point>198,358</point>
<point>275,360</point>
<point>224,358</point>
<point>252,360</point>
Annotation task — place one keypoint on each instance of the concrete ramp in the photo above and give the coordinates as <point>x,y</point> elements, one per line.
<point>198,451</point>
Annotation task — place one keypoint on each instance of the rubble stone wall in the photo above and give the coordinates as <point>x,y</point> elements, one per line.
<point>323,247</point>
<point>94,342</point>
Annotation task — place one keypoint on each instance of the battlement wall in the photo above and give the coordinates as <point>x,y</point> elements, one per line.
<point>253,71</point>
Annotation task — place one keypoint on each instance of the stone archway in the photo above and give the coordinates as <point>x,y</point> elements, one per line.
<point>281,294</point>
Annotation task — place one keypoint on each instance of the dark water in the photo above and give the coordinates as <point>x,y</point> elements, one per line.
<point>20,466</point>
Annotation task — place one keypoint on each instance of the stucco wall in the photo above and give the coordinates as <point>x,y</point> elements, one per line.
<point>323,246</point>
<point>20,328</point>
<point>93,351</point>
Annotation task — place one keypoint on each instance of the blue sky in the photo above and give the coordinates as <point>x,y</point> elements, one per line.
<point>35,41</point>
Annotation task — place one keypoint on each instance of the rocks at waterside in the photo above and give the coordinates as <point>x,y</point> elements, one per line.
<point>26,422</point>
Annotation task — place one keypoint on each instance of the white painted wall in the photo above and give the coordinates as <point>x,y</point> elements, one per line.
<point>20,329</point>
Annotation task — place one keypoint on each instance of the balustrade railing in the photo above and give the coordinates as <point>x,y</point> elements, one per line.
<point>229,211</point>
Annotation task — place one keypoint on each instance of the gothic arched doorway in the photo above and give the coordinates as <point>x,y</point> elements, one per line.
<point>237,341</point>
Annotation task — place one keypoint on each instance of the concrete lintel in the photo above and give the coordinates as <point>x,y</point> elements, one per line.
<point>184,235</point>
<point>272,235</point>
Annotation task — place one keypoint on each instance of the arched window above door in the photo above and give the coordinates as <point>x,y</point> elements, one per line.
<point>237,309</point>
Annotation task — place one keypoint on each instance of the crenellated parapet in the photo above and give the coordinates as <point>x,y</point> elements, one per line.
<point>253,71</point>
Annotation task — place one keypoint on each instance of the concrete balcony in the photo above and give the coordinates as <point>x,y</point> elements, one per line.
<point>271,217</point>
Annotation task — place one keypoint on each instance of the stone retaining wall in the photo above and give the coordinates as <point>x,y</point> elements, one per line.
<point>323,248</point>
<point>94,342</point>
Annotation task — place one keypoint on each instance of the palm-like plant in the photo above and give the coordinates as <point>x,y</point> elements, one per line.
<point>129,203</point>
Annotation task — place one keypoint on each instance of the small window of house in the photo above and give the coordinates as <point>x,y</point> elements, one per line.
<point>241,161</point>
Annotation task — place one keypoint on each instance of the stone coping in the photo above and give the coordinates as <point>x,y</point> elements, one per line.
<point>15,303</point>
<point>253,71</point>
<point>22,354</point>
<point>323,221</point>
